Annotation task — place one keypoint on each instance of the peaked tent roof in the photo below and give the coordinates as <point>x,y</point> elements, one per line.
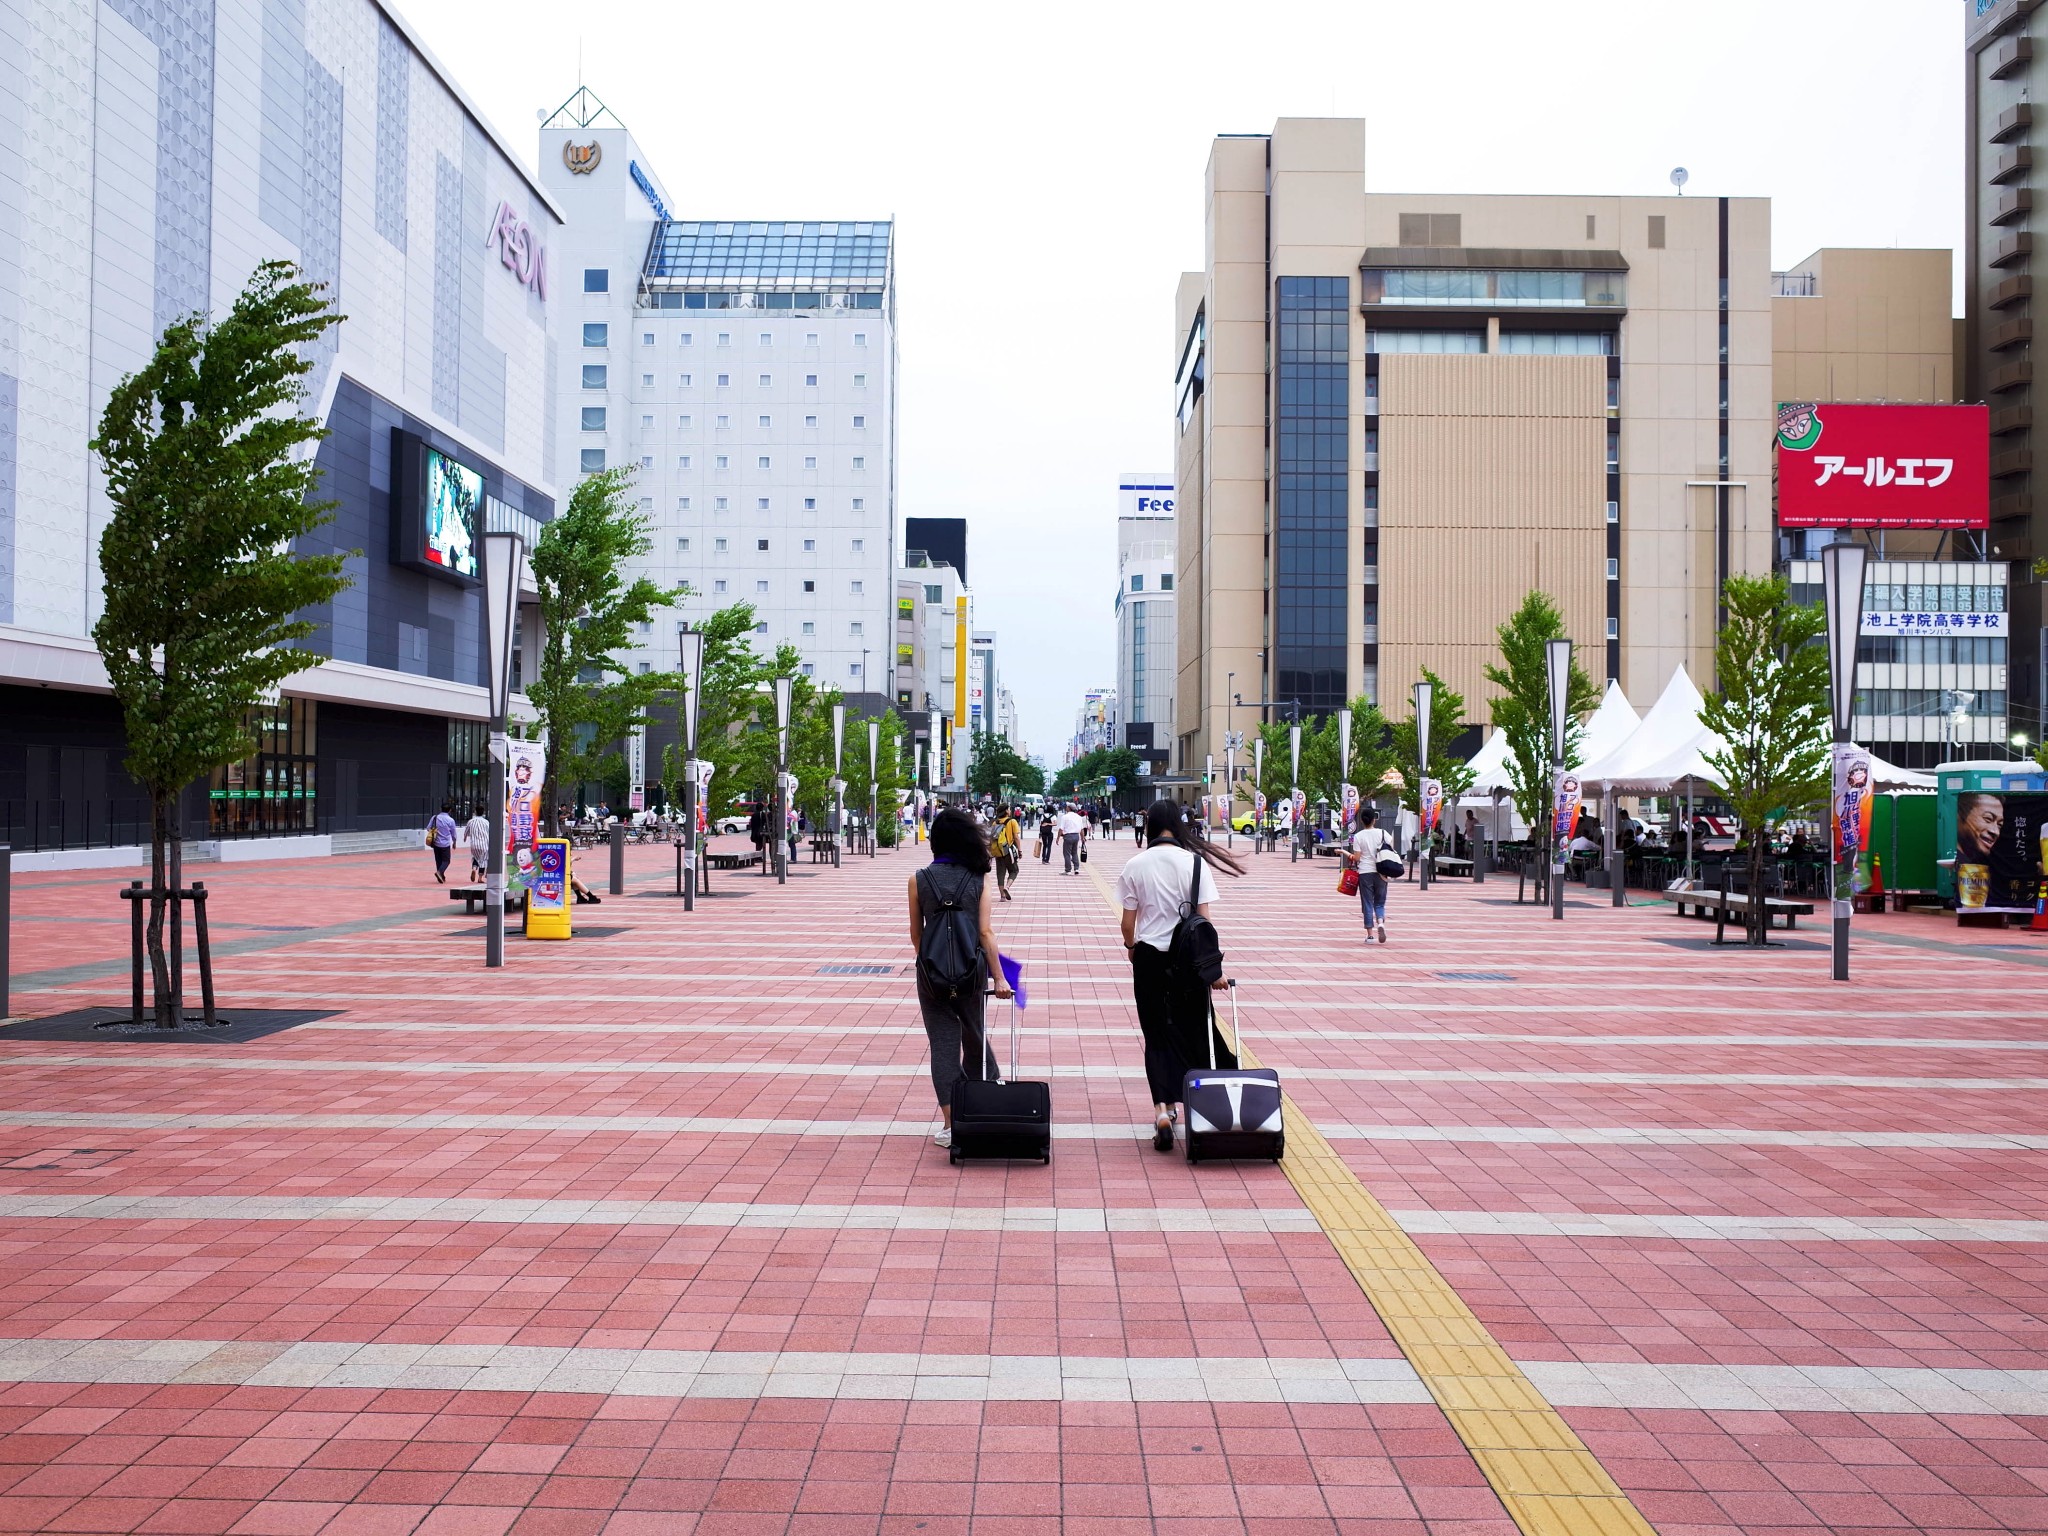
<point>1661,750</point>
<point>1607,727</point>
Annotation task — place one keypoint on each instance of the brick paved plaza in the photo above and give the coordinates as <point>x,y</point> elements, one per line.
<point>646,1233</point>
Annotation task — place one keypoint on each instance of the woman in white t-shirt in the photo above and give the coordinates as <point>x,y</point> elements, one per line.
<point>1368,841</point>
<point>1155,889</point>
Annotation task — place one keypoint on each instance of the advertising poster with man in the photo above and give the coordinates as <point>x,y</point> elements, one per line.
<point>1565,808</point>
<point>1999,850</point>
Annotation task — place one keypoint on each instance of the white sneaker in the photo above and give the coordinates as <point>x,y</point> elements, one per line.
<point>944,1138</point>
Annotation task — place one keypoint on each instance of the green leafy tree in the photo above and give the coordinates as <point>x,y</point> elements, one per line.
<point>1084,775</point>
<point>209,473</point>
<point>1274,783</point>
<point>1523,709</point>
<point>1446,725</point>
<point>1771,713</point>
<point>892,774</point>
<point>732,675</point>
<point>587,699</point>
<point>999,769</point>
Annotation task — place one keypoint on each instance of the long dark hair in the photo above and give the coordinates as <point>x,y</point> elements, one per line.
<point>1172,822</point>
<point>956,838</point>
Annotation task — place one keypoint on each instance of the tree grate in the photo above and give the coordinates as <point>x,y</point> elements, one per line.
<point>1473,976</point>
<point>857,970</point>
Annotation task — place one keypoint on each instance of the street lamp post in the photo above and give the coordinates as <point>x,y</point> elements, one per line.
<point>780,831</point>
<point>838,781</point>
<point>1425,696</point>
<point>1258,793</point>
<point>1294,791</point>
<point>1557,665</point>
<point>504,556</point>
<point>1841,568</point>
<point>874,757</point>
<point>692,641</point>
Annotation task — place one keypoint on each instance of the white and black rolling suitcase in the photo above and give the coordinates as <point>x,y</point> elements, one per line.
<point>1001,1117</point>
<point>1233,1112</point>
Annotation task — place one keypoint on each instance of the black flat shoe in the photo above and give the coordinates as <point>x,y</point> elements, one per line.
<point>1162,1136</point>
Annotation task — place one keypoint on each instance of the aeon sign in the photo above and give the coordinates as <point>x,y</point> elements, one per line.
<point>519,249</point>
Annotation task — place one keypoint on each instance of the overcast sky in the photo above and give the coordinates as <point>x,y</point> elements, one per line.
<point>1044,167</point>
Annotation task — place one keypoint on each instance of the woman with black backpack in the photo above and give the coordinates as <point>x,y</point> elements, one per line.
<point>1165,893</point>
<point>952,932</point>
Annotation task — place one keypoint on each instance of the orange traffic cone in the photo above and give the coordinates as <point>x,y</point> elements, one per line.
<point>1876,891</point>
<point>2040,922</point>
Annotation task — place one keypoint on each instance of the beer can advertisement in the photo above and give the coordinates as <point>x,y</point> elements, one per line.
<point>1999,850</point>
<point>1852,802</point>
<point>1883,466</point>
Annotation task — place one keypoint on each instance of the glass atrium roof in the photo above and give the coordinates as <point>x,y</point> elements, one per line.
<point>824,255</point>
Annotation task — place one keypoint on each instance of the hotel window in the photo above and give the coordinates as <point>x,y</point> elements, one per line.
<point>684,422</point>
<point>724,380</point>
<point>761,462</point>
<point>860,421</point>
<point>718,546</point>
<point>762,545</point>
<point>647,382</point>
<point>810,669</point>
<point>596,280</point>
<point>760,586</point>
<point>1166,583</point>
<point>647,338</point>
<point>810,586</point>
<point>723,423</point>
<point>812,629</point>
<point>767,339</point>
<point>646,423</point>
<point>859,545</point>
<point>593,418</point>
<point>810,546</point>
<point>810,461</point>
<point>717,586</point>
<point>683,548</point>
<point>860,503</point>
<point>597,335</point>
<point>1560,344</point>
<point>723,462</point>
<point>683,461</point>
<point>646,667</point>
<point>811,421</point>
<point>854,629</point>
<point>761,504</point>
<point>1138,585</point>
<point>725,338</point>
<point>682,503</point>
<point>718,505</point>
<point>859,462</point>
<point>766,380</point>
<point>1430,342</point>
<point>860,338</point>
<point>810,503</point>
<point>860,381</point>
<point>1613,572</point>
<point>810,338</point>
<point>593,375</point>
<point>853,669</point>
<point>1614,629</point>
<point>855,589</point>
<point>646,503</point>
<point>647,461</point>
<point>810,381</point>
<point>766,422</point>
<point>685,381</point>
<point>685,340</point>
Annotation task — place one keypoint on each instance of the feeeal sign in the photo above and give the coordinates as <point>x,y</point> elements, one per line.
<point>1883,466</point>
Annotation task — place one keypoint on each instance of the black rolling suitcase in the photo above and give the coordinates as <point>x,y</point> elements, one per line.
<point>1233,1111</point>
<point>1000,1117</point>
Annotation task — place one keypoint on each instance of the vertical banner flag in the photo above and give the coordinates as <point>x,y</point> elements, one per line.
<point>1300,805</point>
<point>524,766</point>
<point>1259,805</point>
<point>1432,800</point>
<point>1565,807</point>
<point>1852,801</point>
<point>1350,803</point>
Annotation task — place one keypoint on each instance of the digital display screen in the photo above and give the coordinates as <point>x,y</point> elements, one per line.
<point>454,498</point>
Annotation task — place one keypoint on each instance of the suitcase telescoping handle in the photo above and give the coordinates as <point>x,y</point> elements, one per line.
<point>985,1051</point>
<point>1230,986</point>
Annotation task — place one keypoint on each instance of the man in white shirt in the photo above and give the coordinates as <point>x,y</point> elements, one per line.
<point>1073,826</point>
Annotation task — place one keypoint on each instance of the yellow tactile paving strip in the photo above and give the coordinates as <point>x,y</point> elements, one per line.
<point>1549,1482</point>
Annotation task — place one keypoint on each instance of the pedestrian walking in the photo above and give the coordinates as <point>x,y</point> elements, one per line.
<point>952,932</point>
<point>1073,827</point>
<point>441,835</point>
<point>1371,844</point>
<point>476,833</point>
<point>1009,850</point>
<point>1175,878</point>
<point>1046,832</point>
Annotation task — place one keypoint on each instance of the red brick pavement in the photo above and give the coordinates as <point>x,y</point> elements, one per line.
<point>1620,1071</point>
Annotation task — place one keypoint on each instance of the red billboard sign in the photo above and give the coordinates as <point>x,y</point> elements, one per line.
<point>1884,466</point>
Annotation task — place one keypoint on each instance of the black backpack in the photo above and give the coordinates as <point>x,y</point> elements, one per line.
<point>949,957</point>
<point>1194,955</point>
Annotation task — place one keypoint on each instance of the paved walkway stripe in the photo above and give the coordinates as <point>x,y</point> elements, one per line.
<point>1062,1220</point>
<point>1543,1474</point>
<point>674,1125</point>
<point>634,1066</point>
<point>654,1213</point>
<point>992,1378</point>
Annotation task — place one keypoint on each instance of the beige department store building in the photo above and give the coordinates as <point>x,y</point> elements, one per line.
<point>1397,413</point>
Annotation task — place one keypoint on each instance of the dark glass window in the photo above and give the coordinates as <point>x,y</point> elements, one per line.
<point>596,280</point>
<point>1311,592</point>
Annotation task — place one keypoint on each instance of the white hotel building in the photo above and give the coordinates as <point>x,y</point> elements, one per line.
<point>747,372</point>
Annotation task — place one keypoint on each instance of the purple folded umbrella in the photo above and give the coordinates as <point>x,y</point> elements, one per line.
<point>1013,973</point>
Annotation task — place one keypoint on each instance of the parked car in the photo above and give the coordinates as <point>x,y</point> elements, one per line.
<point>731,822</point>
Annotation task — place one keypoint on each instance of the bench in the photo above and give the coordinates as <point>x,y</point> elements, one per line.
<point>1706,904</point>
<point>471,897</point>
<point>732,860</point>
<point>1445,864</point>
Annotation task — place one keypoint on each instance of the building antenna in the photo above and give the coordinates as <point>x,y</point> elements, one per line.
<point>1679,178</point>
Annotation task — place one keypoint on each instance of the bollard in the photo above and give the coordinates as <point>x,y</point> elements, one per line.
<point>618,882</point>
<point>6,878</point>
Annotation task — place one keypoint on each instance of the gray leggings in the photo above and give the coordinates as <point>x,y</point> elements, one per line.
<point>954,1026</point>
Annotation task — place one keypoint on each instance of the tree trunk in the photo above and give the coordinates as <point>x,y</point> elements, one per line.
<point>159,964</point>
